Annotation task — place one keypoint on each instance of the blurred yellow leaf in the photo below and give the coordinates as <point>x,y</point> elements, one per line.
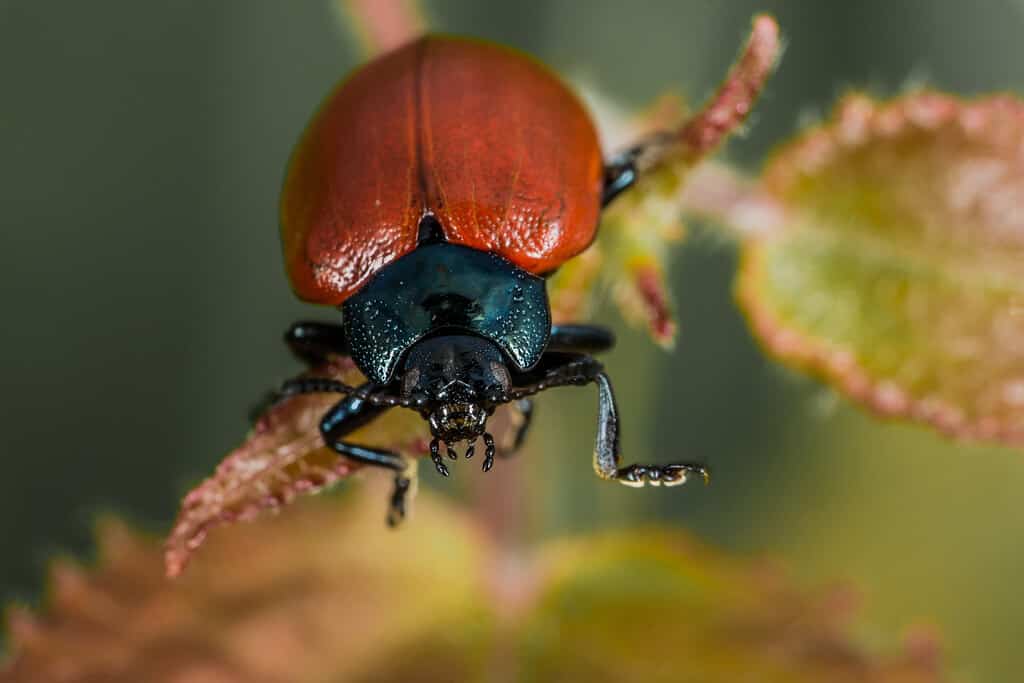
<point>325,593</point>
<point>899,273</point>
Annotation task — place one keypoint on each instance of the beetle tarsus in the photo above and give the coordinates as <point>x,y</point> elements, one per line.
<point>637,476</point>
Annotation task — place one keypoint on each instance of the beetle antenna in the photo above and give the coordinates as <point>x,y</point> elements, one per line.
<point>313,385</point>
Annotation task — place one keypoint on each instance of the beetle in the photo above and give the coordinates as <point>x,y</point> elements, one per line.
<point>428,199</point>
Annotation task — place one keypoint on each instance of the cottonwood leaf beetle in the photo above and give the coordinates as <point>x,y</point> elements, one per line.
<point>428,198</point>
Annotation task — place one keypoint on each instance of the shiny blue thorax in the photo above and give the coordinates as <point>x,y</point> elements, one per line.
<point>446,287</point>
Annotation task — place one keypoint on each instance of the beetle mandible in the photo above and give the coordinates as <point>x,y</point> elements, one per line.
<point>428,198</point>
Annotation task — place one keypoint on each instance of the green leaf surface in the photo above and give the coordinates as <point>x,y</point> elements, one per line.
<point>899,273</point>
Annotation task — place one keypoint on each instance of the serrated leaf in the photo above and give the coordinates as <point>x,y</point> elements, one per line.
<point>322,593</point>
<point>326,593</point>
<point>282,458</point>
<point>640,227</point>
<point>899,274</point>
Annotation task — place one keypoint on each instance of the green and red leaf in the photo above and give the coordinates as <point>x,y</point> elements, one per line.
<point>641,226</point>
<point>898,271</point>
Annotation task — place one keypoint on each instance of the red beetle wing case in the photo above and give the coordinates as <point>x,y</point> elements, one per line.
<point>487,139</point>
<point>352,199</point>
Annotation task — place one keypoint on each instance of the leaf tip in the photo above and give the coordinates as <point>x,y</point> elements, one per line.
<point>742,86</point>
<point>22,626</point>
<point>645,297</point>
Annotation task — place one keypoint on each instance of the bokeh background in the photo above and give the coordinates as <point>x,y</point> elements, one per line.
<point>141,150</point>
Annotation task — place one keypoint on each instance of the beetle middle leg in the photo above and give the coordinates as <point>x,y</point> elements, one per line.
<point>606,449</point>
<point>313,342</point>
<point>581,338</point>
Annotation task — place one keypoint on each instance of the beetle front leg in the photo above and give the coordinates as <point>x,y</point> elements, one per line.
<point>350,414</point>
<point>606,449</point>
<point>567,369</point>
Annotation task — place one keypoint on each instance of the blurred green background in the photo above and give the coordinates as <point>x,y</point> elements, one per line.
<point>141,150</point>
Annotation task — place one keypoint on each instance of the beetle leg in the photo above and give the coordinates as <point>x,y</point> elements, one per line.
<point>622,171</point>
<point>606,449</point>
<point>563,369</point>
<point>522,416</point>
<point>313,342</point>
<point>581,338</point>
<point>350,414</point>
<point>525,408</point>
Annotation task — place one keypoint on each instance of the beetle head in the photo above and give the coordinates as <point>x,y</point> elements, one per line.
<point>457,380</point>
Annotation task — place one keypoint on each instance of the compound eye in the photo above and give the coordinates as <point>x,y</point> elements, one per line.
<point>410,380</point>
<point>500,374</point>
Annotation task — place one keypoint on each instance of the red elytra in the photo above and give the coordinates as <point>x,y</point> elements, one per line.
<point>483,137</point>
